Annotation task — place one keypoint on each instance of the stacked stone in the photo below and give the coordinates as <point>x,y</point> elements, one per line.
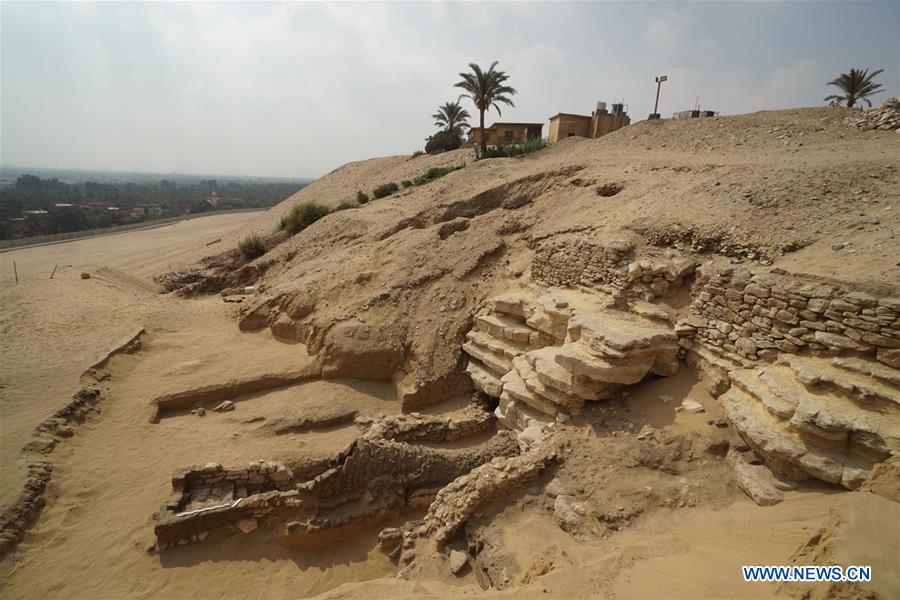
<point>648,280</point>
<point>885,117</point>
<point>580,262</point>
<point>759,315</point>
<point>606,266</point>
<point>544,359</point>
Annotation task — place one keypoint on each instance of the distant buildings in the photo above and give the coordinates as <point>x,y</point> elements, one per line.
<point>597,124</point>
<point>694,114</point>
<point>499,134</point>
<point>562,125</point>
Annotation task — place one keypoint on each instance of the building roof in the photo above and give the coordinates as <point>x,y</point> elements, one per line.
<point>557,115</point>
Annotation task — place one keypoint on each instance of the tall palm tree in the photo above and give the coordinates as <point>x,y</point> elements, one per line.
<point>485,89</point>
<point>451,117</point>
<point>856,86</point>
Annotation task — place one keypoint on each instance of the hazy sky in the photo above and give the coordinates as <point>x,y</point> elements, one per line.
<point>297,89</point>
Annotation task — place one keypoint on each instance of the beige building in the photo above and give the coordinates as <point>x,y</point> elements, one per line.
<point>598,124</point>
<point>499,134</point>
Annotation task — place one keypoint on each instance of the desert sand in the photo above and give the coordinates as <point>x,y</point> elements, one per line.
<point>360,333</point>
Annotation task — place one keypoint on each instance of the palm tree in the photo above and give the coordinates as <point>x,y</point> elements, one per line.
<point>452,118</point>
<point>855,85</point>
<point>486,89</point>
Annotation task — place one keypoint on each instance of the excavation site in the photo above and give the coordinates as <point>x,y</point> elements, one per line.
<point>621,367</point>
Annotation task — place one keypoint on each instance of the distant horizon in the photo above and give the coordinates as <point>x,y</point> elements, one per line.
<point>163,174</point>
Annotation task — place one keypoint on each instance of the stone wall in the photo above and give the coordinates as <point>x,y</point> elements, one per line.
<point>758,315</point>
<point>610,267</point>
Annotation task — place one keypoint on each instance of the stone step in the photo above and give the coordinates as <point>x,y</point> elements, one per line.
<point>517,304</point>
<point>552,374</point>
<point>577,358</point>
<point>823,419</point>
<point>770,438</point>
<point>515,388</point>
<point>550,316</point>
<point>483,379</point>
<point>617,334</point>
<point>749,380</point>
<point>569,402</point>
<point>505,327</point>
<point>517,416</point>
<point>881,372</point>
<point>820,373</point>
<point>494,362</point>
<point>496,345</point>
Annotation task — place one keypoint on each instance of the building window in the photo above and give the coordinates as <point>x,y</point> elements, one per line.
<point>508,135</point>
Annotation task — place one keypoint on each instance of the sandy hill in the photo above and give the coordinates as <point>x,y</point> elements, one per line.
<point>400,277</point>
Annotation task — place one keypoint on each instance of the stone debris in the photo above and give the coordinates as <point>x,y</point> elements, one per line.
<point>390,541</point>
<point>885,117</point>
<point>22,514</point>
<point>755,480</point>
<point>569,513</point>
<point>225,406</point>
<point>458,561</point>
<point>691,406</point>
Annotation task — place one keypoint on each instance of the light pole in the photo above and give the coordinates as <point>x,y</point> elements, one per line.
<point>659,81</point>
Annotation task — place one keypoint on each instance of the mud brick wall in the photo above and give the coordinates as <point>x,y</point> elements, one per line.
<point>756,315</point>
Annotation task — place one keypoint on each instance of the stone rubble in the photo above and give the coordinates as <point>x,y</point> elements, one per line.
<point>885,117</point>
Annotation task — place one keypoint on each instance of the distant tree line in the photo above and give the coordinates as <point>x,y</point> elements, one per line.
<point>100,204</point>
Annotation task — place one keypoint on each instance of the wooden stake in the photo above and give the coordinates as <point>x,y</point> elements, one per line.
<point>16,271</point>
<point>54,271</point>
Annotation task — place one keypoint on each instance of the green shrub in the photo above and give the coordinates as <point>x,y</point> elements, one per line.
<point>385,190</point>
<point>443,141</point>
<point>302,216</point>
<point>510,150</point>
<point>417,153</point>
<point>252,246</point>
<point>345,205</point>
<point>407,183</point>
<point>361,197</point>
<point>436,173</point>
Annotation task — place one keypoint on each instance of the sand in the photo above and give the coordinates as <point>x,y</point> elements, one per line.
<point>51,330</point>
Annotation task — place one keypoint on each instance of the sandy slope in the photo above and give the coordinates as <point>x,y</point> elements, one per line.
<point>51,330</point>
